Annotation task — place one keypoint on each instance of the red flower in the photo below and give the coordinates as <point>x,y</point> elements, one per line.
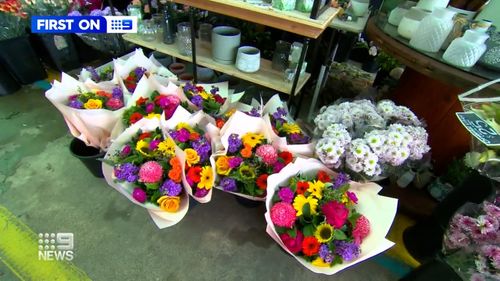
<point>158,99</point>
<point>194,136</point>
<point>220,123</point>
<point>130,78</point>
<point>262,181</point>
<point>103,94</point>
<point>336,213</point>
<point>323,176</point>
<point>310,246</point>
<point>219,99</point>
<point>294,245</point>
<point>141,101</point>
<point>193,174</point>
<point>144,135</point>
<point>135,117</point>
<point>286,156</point>
<point>302,186</point>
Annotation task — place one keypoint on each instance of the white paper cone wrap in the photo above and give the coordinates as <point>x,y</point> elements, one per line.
<point>161,218</point>
<point>379,210</point>
<point>92,126</point>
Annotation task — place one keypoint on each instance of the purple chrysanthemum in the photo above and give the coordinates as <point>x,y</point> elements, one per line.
<point>299,138</point>
<point>76,104</point>
<point>348,251</point>
<point>340,180</point>
<point>182,135</point>
<point>201,192</point>
<point>254,112</point>
<point>280,112</point>
<point>74,14</point>
<point>117,93</point>
<point>126,172</point>
<point>234,143</point>
<point>96,13</point>
<point>198,101</point>
<point>170,188</point>
<point>154,144</point>
<point>286,194</point>
<point>139,72</point>
<point>325,253</point>
<point>228,184</point>
<point>235,162</point>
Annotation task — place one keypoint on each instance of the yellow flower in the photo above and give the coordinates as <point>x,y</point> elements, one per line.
<point>153,115</point>
<point>169,203</point>
<point>186,126</point>
<point>301,200</point>
<point>324,233</point>
<point>206,178</point>
<point>192,156</point>
<point>93,104</point>
<point>291,128</point>
<point>142,147</point>
<point>320,262</point>
<point>344,199</point>
<point>167,147</point>
<point>204,94</point>
<point>316,189</point>
<point>252,139</point>
<point>230,112</point>
<point>222,165</point>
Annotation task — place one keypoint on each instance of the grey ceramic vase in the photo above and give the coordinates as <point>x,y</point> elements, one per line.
<point>491,57</point>
<point>225,43</point>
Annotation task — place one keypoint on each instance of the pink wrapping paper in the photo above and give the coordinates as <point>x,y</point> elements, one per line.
<point>379,210</point>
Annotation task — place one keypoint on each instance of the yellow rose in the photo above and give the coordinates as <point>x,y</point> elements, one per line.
<point>93,104</point>
<point>169,203</point>
<point>192,156</point>
<point>222,166</point>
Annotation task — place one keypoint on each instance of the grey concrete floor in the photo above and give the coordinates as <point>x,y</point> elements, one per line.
<point>51,191</point>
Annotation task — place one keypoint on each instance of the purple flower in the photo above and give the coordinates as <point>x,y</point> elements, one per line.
<point>74,14</point>
<point>203,148</point>
<point>235,162</point>
<point>456,240</point>
<point>325,253</point>
<point>139,72</point>
<point>182,135</point>
<point>228,184</point>
<point>234,143</point>
<point>286,194</point>
<point>126,172</point>
<point>125,151</point>
<point>352,196</point>
<point>348,251</point>
<point>150,107</point>
<point>154,144</point>
<point>491,209</point>
<point>190,88</point>
<point>117,93</point>
<point>76,104</point>
<point>107,11</point>
<point>201,192</point>
<point>341,180</point>
<point>73,97</point>
<point>170,188</point>
<point>487,224</point>
<point>465,222</point>
<point>198,101</point>
<point>96,13</point>
<point>278,166</point>
<point>214,90</point>
<point>253,112</point>
<point>477,277</point>
<point>280,112</point>
<point>93,73</point>
<point>298,138</point>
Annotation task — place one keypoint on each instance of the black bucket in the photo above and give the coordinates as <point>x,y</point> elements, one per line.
<point>20,60</point>
<point>8,84</point>
<point>247,202</point>
<point>88,155</point>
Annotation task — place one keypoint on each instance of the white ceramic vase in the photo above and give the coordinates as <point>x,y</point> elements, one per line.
<point>225,43</point>
<point>431,5</point>
<point>397,14</point>
<point>411,21</point>
<point>433,30</point>
<point>248,59</point>
<point>466,51</point>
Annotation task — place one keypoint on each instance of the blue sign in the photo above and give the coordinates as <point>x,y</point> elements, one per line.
<point>83,24</point>
<point>479,128</point>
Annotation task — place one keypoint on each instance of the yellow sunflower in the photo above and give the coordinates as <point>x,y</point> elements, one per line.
<point>167,147</point>
<point>316,189</point>
<point>142,147</point>
<point>291,128</point>
<point>324,233</point>
<point>301,200</point>
<point>206,178</point>
<point>252,139</point>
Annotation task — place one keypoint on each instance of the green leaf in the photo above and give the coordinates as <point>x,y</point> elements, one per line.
<point>292,232</point>
<point>306,210</point>
<point>152,185</point>
<point>339,235</point>
<point>308,230</point>
<point>317,220</point>
<point>280,230</point>
<point>337,260</point>
<point>154,197</point>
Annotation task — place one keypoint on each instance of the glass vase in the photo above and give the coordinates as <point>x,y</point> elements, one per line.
<point>184,39</point>
<point>284,5</point>
<point>280,56</point>
<point>304,5</point>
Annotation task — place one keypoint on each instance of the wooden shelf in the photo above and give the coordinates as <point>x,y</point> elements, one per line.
<point>266,76</point>
<point>291,21</point>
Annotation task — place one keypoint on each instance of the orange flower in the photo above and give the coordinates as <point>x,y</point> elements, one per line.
<point>141,101</point>
<point>169,203</point>
<point>220,123</point>
<point>175,174</point>
<point>194,136</point>
<point>175,163</point>
<point>247,151</point>
<point>103,94</point>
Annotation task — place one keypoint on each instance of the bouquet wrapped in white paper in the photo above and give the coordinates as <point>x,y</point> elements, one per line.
<point>91,113</point>
<point>326,222</point>
<point>145,165</point>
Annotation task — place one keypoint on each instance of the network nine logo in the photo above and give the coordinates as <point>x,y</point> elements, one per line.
<point>84,24</point>
<point>55,246</point>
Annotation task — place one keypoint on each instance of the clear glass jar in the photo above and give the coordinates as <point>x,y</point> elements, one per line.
<point>304,5</point>
<point>184,38</point>
<point>466,51</point>
<point>135,10</point>
<point>148,30</point>
<point>280,56</point>
<point>433,30</point>
<point>284,5</point>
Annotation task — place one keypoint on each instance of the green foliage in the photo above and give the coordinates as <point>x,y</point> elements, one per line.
<point>386,61</point>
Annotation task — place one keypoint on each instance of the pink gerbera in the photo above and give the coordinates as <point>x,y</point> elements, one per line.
<point>267,153</point>
<point>361,230</point>
<point>151,172</point>
<point>114,103</point>
<point>283,214</point>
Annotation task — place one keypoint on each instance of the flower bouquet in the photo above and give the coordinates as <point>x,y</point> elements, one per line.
<point>250,110</point>
<point>97,75</point>
<point>369,140</point>
<point>144,164</point>
<point>13,19</point>
<point>293,138</point>
<point>210,98</point>
<point>194,135</point>
<point>249,157</point>
<point>90,114</point>
<point>325,221</point>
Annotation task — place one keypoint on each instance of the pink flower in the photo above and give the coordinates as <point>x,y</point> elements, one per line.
<point>361,230</point>
<point>151,172</point>
<point>487,224</point>
<point>336,213</point>
<point>278,166</point>
<point>477,277</point>
<point>456,240</point>
<point>491,209</point>
<point>267,153</point>
<point>465,222</point>
<point>139,195</point>
<point>294,245</point>
<point>150,107</point>
<point>352,196</point>
<point>114,104</point>
<point>283,214</point>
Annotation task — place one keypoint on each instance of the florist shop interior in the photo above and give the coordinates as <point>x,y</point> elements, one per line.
<point>251,140</point>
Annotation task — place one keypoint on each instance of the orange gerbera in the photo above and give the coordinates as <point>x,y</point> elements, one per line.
<point>247,151</point>
<point>175,174</point>
<point>141,101</point>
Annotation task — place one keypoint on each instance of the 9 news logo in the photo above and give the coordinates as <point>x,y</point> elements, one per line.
<point>55,246</point>
<point>84,24</point>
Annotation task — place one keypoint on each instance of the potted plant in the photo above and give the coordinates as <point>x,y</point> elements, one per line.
<point>15,46</point>
<point>454,176</point>
<point>386,64</point>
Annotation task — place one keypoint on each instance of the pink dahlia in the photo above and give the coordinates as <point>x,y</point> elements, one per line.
<point>139,195</point>
<point>114,104</point>
<point>294,245</point>
<point>361,230</point>
<point>336,213</point>
<point>151,172</point>
<point>283,214</point>
<point>267,153</point>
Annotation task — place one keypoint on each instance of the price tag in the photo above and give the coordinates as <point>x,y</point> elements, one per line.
<point>479,128</point>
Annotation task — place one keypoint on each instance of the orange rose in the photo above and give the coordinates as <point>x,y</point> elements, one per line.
<point>175,174</point>
<point>169,203</point>
<point>174,162</point>
<point>247,151</point>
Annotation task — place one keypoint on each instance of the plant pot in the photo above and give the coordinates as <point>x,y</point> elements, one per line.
<point>177,68</point>
<point>186,77</point>
<point>225,43</point>
<point>380,77</point>
<point>370,66</point>
<point>8,84</point>
<point>247,202</point>
<point>61,51</point>
<point>88,155</point>
<point>20,60</point>
<point>205,75</point>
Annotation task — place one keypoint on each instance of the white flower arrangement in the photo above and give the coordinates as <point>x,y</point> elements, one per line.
<point>368,138</point>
